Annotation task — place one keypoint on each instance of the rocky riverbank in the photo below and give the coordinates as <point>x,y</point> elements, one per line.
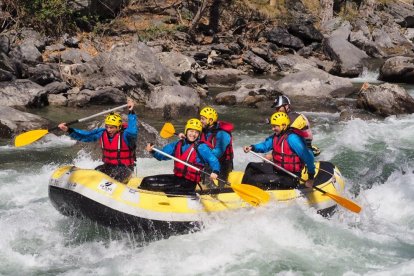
<point>313,57</point>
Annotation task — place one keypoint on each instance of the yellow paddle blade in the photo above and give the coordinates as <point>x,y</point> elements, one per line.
<point>252,194</point>
<point>167,130</point>
<point>29,137</point>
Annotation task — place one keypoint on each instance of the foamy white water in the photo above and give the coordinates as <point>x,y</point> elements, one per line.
<point>368,75</point>
<point>376,158</point>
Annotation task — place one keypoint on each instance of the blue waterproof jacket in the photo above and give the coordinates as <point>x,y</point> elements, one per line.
<point>129,134</point>
<point>223,139</point>
<point>204,154</point>
<point>296,143</point>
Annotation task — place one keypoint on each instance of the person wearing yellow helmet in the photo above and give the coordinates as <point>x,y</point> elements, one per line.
<point>190,150</point>
<point>117,142</point>
<point>218,135</point>
<point>289,151</point>
<point>299,123</point>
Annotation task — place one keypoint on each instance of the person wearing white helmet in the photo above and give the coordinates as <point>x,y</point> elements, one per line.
<point>118,143</point>
<point>299,123</point>
<point>289,151</point>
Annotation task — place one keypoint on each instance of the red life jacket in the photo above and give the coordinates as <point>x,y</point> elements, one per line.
<point>284,156</point>
<point>116,151</point>
<point>188,156</point>
<point>211,140</point>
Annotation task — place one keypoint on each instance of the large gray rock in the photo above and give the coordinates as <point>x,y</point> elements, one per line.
<point>107,95</point>
<point>386,99</point>
<point>125,67</point>
<point>398,69</point>
<point>360,40</point>
<point>22,93</point>
<point>281,37</point>
<point>402,12</point>
<point>174,101</point>
<point>294,63</point>
<point>13,121</point>
<point>223,77</point>
<point>314,83</point>
<point>249,92</point>
<point>27,53</point>
<point>347,56</point>
<point>183,67</point>
<point>259,64</point>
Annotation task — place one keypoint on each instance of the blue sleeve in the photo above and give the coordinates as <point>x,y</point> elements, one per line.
<point>222,141</point>
<point>265,146</point>
<point>86,135</point>
<point>298,145</point>
<point>169,148</point>
<point>131,132</point>
<point>208,157</point>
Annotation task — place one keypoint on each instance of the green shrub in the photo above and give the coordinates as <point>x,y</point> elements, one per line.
<point>49,16</point>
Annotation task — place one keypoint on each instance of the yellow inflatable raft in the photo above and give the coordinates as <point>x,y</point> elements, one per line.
<point>94,195</point>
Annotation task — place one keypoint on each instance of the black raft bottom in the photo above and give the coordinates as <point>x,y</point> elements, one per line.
<point>72,204</point>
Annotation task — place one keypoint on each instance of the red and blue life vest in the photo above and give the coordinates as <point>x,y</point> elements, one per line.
<point>188,156</point>
<point>116,151</point>
<point>284,156</point>
<point>211,141</point>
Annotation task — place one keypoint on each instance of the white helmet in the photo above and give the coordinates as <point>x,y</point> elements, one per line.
<point>281,101</point>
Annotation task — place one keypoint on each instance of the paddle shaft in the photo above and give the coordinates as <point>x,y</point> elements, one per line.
<point>251,194</point>
<point>283,169</point>
<point>187,164</point>
<point>350,205</point>
<point>274,164</point>
<point>286,171</point>
<point>90,117</point>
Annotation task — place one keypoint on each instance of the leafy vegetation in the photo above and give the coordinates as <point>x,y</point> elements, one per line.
<point>52,17</point>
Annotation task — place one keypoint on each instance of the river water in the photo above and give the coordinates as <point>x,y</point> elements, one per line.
<point>375,157</point>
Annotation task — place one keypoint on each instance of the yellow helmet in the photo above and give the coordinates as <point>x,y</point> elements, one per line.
<point>209,113</point>
<point>280,119</point>
<point>193,124</point>
<point>113,119</point>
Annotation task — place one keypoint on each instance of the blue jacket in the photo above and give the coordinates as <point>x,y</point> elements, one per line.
<point>223,139</point>
<point>129,134</point>
<point>204,154</point>
<point>296,143</point>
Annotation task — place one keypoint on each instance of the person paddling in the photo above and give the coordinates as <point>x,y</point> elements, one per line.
<point>192,151</point>
<point>289,151</point>
<point>118,143</point>
<point>217,135</point>
<point>299,123</point>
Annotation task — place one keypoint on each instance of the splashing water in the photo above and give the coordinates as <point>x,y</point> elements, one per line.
<point>375,157</point>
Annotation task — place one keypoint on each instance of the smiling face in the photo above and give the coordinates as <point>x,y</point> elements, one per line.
<point>112,130</point>
<point>192,135</point>
<point>277,129</point>
<point>205,122</point>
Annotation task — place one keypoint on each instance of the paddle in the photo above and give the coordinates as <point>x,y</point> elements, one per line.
<point>251,194</point>
<point>167,131</point>
<point>31,136</point>
<point>348,204</point>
